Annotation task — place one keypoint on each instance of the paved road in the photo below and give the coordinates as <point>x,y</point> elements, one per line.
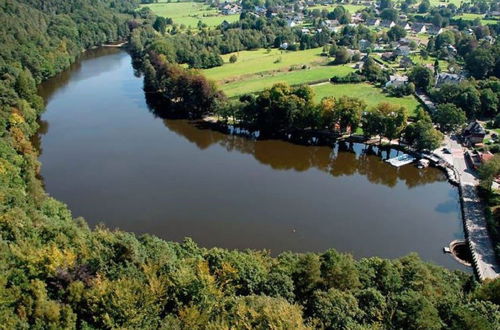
<point>480,243</point>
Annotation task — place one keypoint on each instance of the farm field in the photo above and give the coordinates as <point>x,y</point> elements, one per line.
<point>189,13</point>
<point>261,60</point>
<point>370,94</point>
<point>258,83</point>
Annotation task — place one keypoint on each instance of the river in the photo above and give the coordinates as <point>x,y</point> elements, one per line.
<point>112,161</point>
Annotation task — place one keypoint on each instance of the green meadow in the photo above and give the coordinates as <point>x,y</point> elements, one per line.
<point>189,13</point>
<point>351,8</point>
<point>307,76</point>
<point>471,17</point>
<point>256,61</point>
<point>369,93</point>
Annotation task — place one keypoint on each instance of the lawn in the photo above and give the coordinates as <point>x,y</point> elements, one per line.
<point>436,3</point>
<point>189,13</point>
<point>471,17</point>
<point>257,83</point>
<point>351,8</point>
<point>261,60</point>
<point>416,58</point>
<point>370,94</point>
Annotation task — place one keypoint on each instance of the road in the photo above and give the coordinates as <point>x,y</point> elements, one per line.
<point>483,253</point>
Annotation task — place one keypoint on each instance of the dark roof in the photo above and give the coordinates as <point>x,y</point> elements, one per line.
<point>417,26</point>
<point>475,127</point>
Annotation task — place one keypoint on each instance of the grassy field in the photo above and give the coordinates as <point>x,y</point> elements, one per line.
<point>370,94</point>
<point>436,3</point>
<point>306,76</point>
<point>189,13</point>
<point>471,17</point>
<point>255,61</point>
<point>351,8</point>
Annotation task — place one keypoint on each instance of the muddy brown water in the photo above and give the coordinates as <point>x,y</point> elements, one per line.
<point>113,162</point>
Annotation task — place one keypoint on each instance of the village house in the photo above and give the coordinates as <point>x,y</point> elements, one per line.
<point>230,9</point>
<point>433,30</point>
<point>364,44</point>
<point>396,81</point>
<point>330,24</point>
<point>448,78</point>
<point>477,158</point>
<point>405,25</point>
<point>387,24</point>
<point>388,56</point>
<point>405,62</point>
<point>373,22</point>
<point>474,133</point>
<point>403,51</point>
<point>418,28</point>
<point>357,18</point>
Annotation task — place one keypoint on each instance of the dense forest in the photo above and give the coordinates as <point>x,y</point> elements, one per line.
<point>56,272</point>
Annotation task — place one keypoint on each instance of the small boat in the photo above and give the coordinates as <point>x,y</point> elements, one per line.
<point>446,249</point>
<point>423,163</point>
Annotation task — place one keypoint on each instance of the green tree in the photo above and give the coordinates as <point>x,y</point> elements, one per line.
<point>347,113</point>
<point>449,117</point>
<point>342,56</point>
<point>339,271</point>
<point>423,136</point>
<point>489,171</point>
<point>336,309</point>
<point>389,14</point>
<point>396,32</point>
<point>160,24</point>
<point>422,77</point>
<point>480,62</point>
<point>490,103</point>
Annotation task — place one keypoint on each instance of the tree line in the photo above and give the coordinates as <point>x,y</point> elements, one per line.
<point>281,109</point>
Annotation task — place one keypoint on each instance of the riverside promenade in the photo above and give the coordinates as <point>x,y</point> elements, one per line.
<point>480,244</point>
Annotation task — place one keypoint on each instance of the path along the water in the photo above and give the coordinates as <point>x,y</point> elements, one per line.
<point>480,243</point>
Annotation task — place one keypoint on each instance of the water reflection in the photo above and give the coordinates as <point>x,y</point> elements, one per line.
<point>75,72</point>
<point>344,159</point>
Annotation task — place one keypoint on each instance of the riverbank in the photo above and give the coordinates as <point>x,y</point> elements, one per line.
<point>485,263</point>
<point>472,211</point>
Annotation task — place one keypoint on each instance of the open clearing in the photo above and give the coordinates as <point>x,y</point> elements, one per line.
<point>261,60</point>
<point>351,8</point>
<point>370,94</point>
<point>189,13</point>
<point>471,17</point>
<point>307,76</point>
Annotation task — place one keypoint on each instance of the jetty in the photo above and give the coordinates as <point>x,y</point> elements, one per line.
<point>401,160</point>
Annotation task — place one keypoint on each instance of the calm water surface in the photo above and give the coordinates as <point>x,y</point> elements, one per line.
<point>113,162</point>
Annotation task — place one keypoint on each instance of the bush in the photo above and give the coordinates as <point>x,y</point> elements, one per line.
<point>233,59</point>
<point>350,78</point>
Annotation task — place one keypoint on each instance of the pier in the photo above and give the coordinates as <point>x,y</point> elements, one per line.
<point>401,160</point>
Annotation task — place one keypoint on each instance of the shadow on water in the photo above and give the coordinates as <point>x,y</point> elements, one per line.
<point>57,84</point>
<point>344,159</point>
